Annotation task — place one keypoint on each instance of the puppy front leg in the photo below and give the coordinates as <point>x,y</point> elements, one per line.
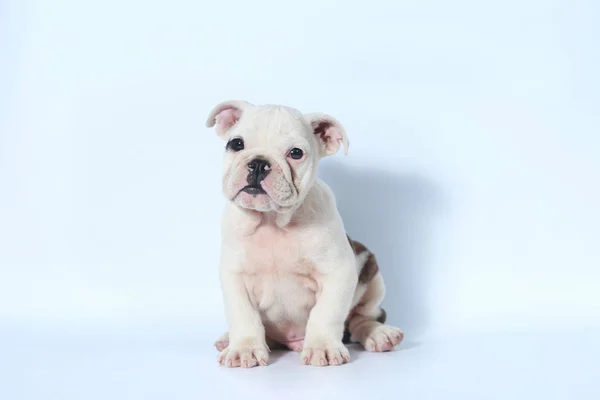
<point>325,328</point>
<point>247,347</point>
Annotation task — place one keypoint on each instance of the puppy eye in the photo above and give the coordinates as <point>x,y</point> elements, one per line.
<point>235,144</point>
<point>296,153</point>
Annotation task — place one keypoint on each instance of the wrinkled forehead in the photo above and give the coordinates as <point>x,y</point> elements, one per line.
<point>270,125</point>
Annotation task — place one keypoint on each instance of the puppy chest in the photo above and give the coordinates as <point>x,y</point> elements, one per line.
<point>279,278</point>
<point>273,251</point>
<point>281,296</point>
<point>284,303</point>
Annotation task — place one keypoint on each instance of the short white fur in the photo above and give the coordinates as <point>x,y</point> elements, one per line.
<point>288,272</point>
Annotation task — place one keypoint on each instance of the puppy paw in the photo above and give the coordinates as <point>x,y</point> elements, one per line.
<point>245,353</point>
<point>323,353</point>
<point>382,338</point>
<point>222,342</point>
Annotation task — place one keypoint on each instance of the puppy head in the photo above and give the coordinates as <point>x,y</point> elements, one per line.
<point>272,152</point>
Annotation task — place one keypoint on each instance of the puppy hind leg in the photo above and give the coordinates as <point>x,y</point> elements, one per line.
<point>366,324</point>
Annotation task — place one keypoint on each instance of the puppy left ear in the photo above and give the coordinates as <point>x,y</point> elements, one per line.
<point>226,114</point>
<point>329,132</point>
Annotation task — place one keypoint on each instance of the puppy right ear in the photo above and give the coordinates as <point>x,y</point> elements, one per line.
<point>225,115</point>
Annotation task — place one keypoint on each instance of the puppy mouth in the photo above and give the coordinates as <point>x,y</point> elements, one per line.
<point>253,190</point>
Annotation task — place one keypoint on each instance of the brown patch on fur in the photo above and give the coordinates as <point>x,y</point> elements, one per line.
<point>369,270</point>
<point>370,267</point>
<point>321,128</point>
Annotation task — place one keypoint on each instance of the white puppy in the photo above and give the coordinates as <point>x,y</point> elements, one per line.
<point>290,275</point>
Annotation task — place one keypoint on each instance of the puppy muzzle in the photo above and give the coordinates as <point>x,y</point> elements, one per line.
<point>258,169</point>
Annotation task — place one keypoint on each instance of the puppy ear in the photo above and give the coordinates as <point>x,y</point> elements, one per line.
<point>225,115</point>
<point>329,132</point>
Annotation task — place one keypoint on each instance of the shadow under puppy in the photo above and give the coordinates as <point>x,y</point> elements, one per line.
<point>289,273</point>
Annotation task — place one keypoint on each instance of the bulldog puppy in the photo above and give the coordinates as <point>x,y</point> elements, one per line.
<point>289,274</point>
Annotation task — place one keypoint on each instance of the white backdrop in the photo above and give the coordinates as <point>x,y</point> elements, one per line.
<point>473,169</point>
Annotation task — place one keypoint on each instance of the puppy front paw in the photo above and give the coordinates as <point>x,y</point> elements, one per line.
<point>246,353</point>
<point>324,352</point>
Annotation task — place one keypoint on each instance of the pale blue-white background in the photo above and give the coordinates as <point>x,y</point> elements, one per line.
<point>473,171</point>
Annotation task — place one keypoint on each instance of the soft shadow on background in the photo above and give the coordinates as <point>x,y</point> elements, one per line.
<point>392,214</point>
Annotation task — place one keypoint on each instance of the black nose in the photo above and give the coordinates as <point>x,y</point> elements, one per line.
<point>258,169</point>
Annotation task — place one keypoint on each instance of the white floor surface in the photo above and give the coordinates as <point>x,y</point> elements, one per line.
<point>178,362</point>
